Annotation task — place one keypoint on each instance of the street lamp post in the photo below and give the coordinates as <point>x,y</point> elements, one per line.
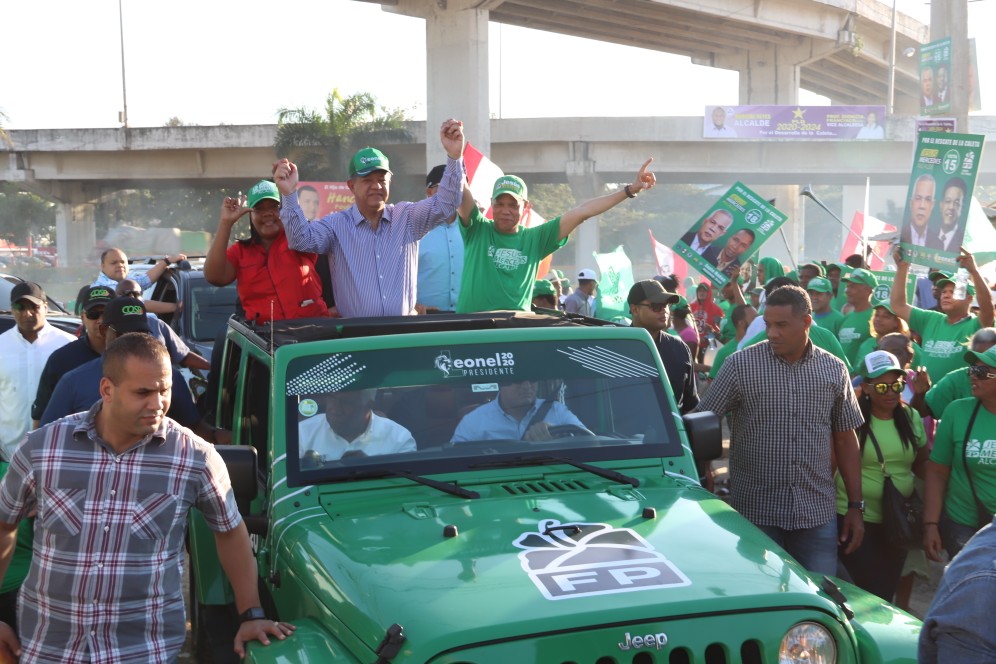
<point>124,89</point>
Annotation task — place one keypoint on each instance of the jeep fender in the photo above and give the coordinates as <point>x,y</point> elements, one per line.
<point>885,633</point>
<point>309,644</point>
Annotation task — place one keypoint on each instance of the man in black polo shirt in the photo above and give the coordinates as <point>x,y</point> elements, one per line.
<point>89,346</point>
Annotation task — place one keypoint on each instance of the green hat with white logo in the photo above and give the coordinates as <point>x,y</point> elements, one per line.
<point>366,161</point>
<point>883,304</point>
<point>820,285</point>
<point>261,191</point>
<point>511,185</point>
<point>879,362</point>
<point>941,283</point>
<point>863,277</point>
<point>986,357</point>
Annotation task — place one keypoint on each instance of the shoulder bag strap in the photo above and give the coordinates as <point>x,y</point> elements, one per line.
<point>964,458</point>
<point>878,450</point>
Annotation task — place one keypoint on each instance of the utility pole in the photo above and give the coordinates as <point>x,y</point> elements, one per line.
<point>949,18</point>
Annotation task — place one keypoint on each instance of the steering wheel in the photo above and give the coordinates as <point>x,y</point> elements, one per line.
<point>569,431</point>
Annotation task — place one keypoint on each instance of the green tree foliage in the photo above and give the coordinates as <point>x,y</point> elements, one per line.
<point>188,209</point>
<point>23,213</point>
<point>321,142</point>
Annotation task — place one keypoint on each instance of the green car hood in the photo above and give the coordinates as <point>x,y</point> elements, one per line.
<point>556,559</point>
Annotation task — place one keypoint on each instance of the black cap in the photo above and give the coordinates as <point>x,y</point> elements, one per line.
<point>96,296</point>
<point>652,290</point>
<point>435,176</point>
<point>28,290</point>
<point>126,314</point>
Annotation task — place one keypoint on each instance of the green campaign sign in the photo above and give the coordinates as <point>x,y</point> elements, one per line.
<point>935,77</point>
<point>729,234</point>
<point>944,170</point>
<point>884,289</point>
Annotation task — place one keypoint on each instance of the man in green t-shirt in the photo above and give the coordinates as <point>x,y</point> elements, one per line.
<point>741,316</point>
<point>856,326</point>
<point>820,293</point>
<point>944,333</point>
<point>501,256</point>
<point>956,384</point>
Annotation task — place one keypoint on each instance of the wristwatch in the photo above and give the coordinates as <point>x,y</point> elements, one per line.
<point>254,613</point>
<point>165,259</point>
<point>856,505</point>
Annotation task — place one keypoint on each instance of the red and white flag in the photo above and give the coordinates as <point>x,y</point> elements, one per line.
<point>866,227</point>
<point>667,262</point>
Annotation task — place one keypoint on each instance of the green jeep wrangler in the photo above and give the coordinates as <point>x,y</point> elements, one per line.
<point>452,533</point>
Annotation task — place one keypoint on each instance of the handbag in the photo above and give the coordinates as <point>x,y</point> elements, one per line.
<point>902,516</point>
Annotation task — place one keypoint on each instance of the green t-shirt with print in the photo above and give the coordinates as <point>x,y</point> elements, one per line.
<point>854,329</point>
<point>871,343</point>
<point>498,269</point>
<point>943,344</point>
<point>829,321</point>
<point>979,455</point>
<point>898,463</point>
<point>956,385</point>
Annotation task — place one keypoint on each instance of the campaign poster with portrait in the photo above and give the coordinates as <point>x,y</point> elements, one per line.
<point>318,199</point>
<point>729,234</point>
<point>937,203</point>
<point>935,77</point>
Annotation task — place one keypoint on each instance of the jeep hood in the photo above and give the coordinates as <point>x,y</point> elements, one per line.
<point>513,563</point>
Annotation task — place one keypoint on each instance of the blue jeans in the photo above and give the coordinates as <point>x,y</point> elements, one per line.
<point>815,548</point>
<point>954,536</point>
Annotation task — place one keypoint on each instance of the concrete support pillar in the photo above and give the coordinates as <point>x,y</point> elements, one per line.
<point>585,184</point>
<point>75,229</point>
<point>770,76</point>
<point>457,78</point>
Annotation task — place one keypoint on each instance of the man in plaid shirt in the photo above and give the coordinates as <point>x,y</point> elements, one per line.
<point>112,488</point>
<point>793,413</point>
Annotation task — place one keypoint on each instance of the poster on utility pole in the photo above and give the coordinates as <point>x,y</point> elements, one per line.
<point>935,77</point>
<point>729,234</point>
<point>941,185</point>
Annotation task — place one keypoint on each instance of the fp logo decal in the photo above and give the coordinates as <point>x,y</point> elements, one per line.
<point>585,559</point>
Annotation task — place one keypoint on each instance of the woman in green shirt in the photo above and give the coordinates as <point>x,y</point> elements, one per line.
<point>960,487</point>
<point>892,432</point>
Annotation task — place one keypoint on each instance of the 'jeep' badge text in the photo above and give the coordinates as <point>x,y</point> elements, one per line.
<point>585,559</point>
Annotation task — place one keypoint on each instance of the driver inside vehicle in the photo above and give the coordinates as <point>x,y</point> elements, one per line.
<point>350,427</point>
<point>517,414</point>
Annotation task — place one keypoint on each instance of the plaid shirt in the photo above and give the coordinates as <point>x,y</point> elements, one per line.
<point>783,418</point>
<point>104,584</point>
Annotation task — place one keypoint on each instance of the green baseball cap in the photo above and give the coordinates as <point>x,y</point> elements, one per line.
<point>941,283</point>
<point>261,191</point>
<point>879,362</point>
<point>820,285</point>
<point>840,267</point>
<point>988,357</point>
<point>511,185</point>
<point>939,274</point>
<point>863,277</point>
<point>543,287</point>
<point>682,303</point>
<point>884,304</point>
<point>366,161</point>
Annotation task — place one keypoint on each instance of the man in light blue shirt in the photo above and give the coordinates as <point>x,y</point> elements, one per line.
<point>515,415</point>
<point>440,258</point>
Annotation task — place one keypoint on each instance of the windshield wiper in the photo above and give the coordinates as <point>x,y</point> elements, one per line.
<point>445,487</point>
<point>519,461</point>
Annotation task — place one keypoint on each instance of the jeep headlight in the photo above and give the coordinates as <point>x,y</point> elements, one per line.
<point>809,643</point>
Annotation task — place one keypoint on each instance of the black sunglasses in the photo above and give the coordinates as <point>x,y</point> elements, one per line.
<point>95,313</point>
<point>981,372</point>
<point>656,307</point>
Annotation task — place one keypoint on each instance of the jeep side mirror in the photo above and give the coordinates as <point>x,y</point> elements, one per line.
<point>705,434</point>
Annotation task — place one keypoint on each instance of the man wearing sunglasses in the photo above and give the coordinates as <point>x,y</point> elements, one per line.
<point>25,348</point>
<point>957,384</point>
<point>179,353</point>
<point>88,347</point>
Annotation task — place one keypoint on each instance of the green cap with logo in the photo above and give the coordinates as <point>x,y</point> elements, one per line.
<point>987,357</point>
<point>366,161</point>
<point>862,276</point>
<point>261,191</point>
<point>879,362</point>
<point>511,185</point>
<point>820,285</point>
<point>884,304</point>
<point>682,303</point>
<point>939,274</point>
<point>941,283</point>
<point>543,287</point>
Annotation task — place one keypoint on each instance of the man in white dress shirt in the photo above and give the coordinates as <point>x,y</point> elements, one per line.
<point>351,428</point>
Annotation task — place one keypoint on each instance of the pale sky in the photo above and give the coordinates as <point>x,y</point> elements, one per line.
<point>209,62</point>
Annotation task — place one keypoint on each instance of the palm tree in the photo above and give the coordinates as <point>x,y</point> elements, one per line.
<point>3,134</point>
<point>321,142</point>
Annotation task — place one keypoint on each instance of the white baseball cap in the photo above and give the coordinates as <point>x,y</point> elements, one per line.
<point>587,273</point>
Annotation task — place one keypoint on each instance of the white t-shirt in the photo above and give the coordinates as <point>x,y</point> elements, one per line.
<point>383,436</point>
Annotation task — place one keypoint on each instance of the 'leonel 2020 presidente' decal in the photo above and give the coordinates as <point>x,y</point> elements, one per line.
<point>584,559</point>
<point>494,364</point>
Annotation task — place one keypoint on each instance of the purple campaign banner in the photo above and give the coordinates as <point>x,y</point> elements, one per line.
<point>824,122</point>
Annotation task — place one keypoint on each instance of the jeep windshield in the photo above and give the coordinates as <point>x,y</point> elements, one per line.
<point>435,409</point>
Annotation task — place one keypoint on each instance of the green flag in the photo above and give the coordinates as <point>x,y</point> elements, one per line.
<point>613,288</point>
